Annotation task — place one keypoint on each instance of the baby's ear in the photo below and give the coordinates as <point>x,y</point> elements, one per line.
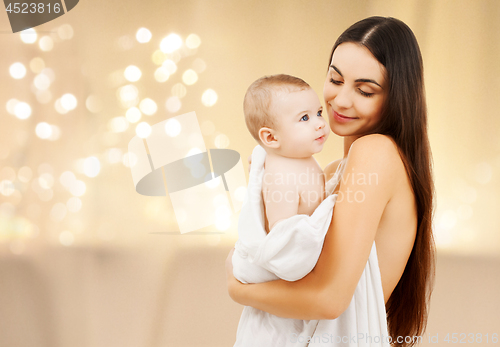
<point>268,138</point>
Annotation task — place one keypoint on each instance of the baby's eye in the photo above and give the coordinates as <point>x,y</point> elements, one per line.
<point>304,118</point>
<point>320,113</point>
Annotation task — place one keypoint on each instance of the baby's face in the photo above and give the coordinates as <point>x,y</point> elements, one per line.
<point>301,129</point>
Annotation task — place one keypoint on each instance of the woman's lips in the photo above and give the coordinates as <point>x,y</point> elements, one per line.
<point>341,118</point>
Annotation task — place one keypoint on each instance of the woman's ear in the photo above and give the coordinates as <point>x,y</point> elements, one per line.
<point>268,138</point>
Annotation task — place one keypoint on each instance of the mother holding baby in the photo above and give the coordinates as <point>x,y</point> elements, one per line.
<point>374,96</point>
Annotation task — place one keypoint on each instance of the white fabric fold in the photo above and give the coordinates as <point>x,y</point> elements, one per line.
<point>290,251</point>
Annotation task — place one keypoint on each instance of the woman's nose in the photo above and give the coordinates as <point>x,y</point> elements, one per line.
<point>343,98</point>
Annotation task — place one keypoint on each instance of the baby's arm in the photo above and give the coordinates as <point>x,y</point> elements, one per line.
<point>280,194</point>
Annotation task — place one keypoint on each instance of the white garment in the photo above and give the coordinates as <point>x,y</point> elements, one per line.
<point>290,251</point>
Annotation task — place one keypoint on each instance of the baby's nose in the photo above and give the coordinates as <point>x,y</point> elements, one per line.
<point>320,123</point>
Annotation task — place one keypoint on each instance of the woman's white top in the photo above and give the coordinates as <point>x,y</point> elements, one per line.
<point>290,251</point>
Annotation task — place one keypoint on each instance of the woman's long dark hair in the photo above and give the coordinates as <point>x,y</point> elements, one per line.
<point>404,118</point>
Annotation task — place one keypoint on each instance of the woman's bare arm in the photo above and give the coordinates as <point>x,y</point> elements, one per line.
<point>327,290</point>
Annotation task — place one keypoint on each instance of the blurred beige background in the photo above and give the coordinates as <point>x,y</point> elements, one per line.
<point>86,261</point>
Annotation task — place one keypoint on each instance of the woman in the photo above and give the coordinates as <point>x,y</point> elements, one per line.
<point>374,96</point>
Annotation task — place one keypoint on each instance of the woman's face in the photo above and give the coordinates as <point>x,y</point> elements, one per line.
<point>355,90</point>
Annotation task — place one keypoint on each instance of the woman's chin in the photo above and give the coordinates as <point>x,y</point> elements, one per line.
<point>340,130</point>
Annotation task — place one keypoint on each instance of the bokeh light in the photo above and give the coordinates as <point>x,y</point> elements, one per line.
<point>68,101</point>
<point>45,167</point>
<point>67,179</point>
<point>78,188</point>
<point>173,127</point>
<point>37,65</point>
<point>59,108</point>
<point>143,130</point>
<point>66,238</point>
<point>29,36</point>
<point>161,74</point>
<point>179,90</point>
<point>125,42</point>
<point>46,180</point>
<point>133,115</point>
<point>74,204</point>
<point>43,96</point>
<point>6,188</point>
<point>170,66</point>
<point>17,70</point>
<point>209,98</point>
<point>132,73</point>
<point>43,130</point>
<point>129,95</point>
<point>173,104</point>
<point>24,174</point>
<point>189,77</point>
<point>50,73</point>
<point>55,134</point>
<point>193,41</point>
<point>129,159</point>
<point>65,32</point>
<point>158,57</point>
<point>41,81</point>
<point>114,155</point>
<point>91,166</point>
<point>93,104</point>
<point>11,106</point>
<point>199,65</point>
<point>118,124</point>
<point>22,110</point>
<point>148,106</point>
<point>171,43</point>
<point>46,43</point>
<point>143,35</point>
<point>221,141</point>
<point>58,211</point>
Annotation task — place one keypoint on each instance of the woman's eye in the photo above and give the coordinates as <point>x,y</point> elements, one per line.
<point>304,118</point>
<point>320,113</point>
<point>365,93</point>
<point>335,81</point>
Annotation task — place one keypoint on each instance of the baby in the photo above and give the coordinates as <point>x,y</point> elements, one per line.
<point>284,115</point>
<point>284,218</point>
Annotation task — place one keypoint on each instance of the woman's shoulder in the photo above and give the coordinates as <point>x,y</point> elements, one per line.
<point>376,148</point>
<point>379,154</point>
<point>376,143</point>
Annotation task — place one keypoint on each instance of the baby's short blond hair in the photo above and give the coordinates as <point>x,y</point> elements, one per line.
<point>258,100</point>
